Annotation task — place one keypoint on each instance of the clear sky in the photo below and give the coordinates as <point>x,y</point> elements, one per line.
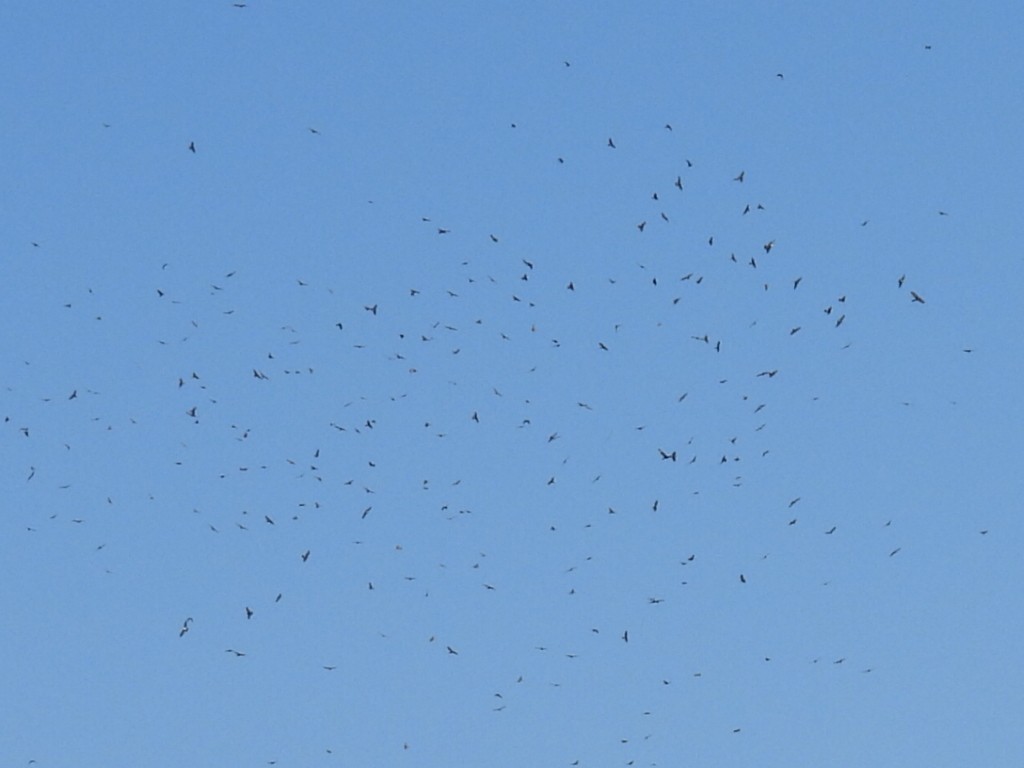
<point>511,384</point>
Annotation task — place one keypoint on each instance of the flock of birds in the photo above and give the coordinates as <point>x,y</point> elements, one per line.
<point>412,406</point>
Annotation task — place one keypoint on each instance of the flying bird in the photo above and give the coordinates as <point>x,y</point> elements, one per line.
<point>916,297</point>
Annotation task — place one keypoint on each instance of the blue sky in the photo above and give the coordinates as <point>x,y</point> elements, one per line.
<point>396,310</point>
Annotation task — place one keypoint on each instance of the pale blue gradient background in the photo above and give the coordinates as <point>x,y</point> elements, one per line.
<point>269,235</point>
